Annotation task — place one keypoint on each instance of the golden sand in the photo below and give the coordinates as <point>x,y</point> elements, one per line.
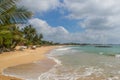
<point>15,58</point>
<point>10,59</point>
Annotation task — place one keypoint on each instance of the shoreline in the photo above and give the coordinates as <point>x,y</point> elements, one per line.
<point>11,59</point>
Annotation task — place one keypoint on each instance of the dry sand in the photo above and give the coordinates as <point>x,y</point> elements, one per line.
<point>10,59</point>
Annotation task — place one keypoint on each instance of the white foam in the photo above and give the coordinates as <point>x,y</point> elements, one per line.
<point>66,73</point>
<point>118,72</point>
<point>13,75</point>
<point>117,56</point>
<point>56,60</point>
<point>60,46</point>
<point>114,78</point>
<point>52,75</point>
<point>57,52</point>
<point>62,49</point>
<point>101,53</point>
<point>51,56</point>
<point>60,72</point>
<point>91,70</point>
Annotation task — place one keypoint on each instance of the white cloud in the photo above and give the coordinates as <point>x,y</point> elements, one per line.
<point>40,5</point>
<point>56,34</point>
<point>85,8</point>
<point>98,14</point>
<point>97,23</point>
<point>60,34</point>
<point>99,18</point>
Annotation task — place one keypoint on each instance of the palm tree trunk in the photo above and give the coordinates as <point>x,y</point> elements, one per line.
<point>14,44</point>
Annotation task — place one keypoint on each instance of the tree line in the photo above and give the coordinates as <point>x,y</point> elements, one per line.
<point>11,34</point>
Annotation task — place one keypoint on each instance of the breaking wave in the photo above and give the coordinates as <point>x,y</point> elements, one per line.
<point>63,49</point>
<point>62,72</point>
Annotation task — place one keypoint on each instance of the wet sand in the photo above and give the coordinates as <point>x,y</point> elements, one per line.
<point>15,58</point>
<point>31,70</point>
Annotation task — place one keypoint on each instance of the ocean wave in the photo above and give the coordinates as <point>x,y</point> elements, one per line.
<point>63,49</point>
<point>113,78</point>
<point>14,75</point>
<point>91,70</point>
<point>62,72</point>
<point>117,55</point>
<point>58,52</point>
<point>58,62</point>
<point>66,73</point>
<point>114,55</point>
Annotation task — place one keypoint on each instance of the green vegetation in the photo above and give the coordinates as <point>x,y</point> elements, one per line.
<point>11,34</point>
<point>10,16</point>
<point>31,36</point>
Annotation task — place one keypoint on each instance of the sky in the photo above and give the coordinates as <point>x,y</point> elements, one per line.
<point>79,21</point>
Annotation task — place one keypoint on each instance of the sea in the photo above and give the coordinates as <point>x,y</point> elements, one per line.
<point>87,62</point>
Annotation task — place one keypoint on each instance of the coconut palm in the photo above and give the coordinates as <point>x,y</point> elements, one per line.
<point>37,40</point>
<point>5,39</point>
<point>29,33</point>
<point>10,15</point>
<point>40,37</point>
<point>17,36</point>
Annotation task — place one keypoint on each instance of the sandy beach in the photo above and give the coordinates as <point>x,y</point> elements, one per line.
<point>15,58</point>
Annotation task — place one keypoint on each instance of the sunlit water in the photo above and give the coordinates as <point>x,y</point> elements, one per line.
<point>76,63</point>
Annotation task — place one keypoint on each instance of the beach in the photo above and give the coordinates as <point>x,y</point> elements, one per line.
<point>62,63</point>
<point>14,58</point>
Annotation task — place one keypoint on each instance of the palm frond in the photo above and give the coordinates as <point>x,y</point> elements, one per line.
<point>6,5</point>
<point>11,14</point>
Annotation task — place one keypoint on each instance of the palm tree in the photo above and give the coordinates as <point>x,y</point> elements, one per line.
<point>17,36</point>
<point>40,37</point>
<point>29,33</point>
<point>37,40</point>
<point>10,15</point>
<point>5,39</point>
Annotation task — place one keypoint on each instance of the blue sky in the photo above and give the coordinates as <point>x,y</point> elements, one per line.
<point>83,21</point>
<point>56,18</point>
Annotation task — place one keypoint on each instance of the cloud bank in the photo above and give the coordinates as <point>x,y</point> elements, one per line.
<point>100,20</point>
<point>57,34</point>
<point>40,5</point>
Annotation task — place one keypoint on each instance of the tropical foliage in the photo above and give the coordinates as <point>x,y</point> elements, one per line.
<point>10,16</point>
<point>31,36</point>
<point>11,34</point>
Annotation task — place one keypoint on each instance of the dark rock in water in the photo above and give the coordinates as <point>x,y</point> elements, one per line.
<point>103,46</point>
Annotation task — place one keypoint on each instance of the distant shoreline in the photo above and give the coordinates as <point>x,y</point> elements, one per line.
<point>10,59</point>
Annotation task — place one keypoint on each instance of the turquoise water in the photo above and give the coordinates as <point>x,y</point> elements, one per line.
<point>97,50</point>
<point>80,63</point>
<point>85,63</point>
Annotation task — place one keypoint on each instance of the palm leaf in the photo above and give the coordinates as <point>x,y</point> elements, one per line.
<point>6,5</point>
<point>10,14</point>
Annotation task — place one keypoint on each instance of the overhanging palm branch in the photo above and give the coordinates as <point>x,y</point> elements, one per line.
<point>10,14</point>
